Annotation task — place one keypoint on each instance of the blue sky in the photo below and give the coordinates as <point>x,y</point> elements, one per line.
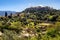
<point>19,5</point>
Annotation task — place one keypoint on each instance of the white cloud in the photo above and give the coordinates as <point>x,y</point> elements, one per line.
<point>36,5</point>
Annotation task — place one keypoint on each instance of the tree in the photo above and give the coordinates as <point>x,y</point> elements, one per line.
<point>10,16</point>
<point>18,14</point>
<point>5,14</point>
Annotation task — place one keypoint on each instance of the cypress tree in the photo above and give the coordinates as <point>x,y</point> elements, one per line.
<point>5,14</point>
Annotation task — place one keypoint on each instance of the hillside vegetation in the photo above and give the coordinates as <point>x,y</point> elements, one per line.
<point>34,23</point>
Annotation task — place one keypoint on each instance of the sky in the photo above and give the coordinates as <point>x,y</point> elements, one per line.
<point>20,5</point>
